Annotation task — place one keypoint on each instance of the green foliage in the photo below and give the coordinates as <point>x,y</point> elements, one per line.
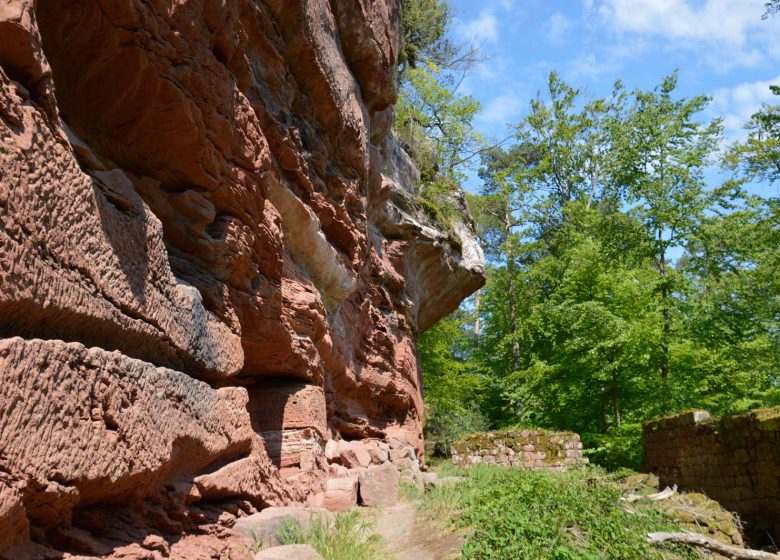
<point>424,24</point>
<point>758,156</point>
<point>349,536</point>
<point>586,323</point>
<point>620,448</point>
<point>514,513</point>
<point>451,388</point>
<point>435,122</point>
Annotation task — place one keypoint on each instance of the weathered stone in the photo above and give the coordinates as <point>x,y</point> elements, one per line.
<point>425,479</point>
<point>341,494</point>
<point>733,459</point>
<point>353,454</point>
<point>264,527</point>
<point>288,552</point>
<point>205,231</point>
<point>379,485</point>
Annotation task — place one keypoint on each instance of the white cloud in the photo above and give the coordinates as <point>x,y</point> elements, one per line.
<point>505,108</point>
<point>737,104</point>
<point>481,30</point>
<point>557,27</point>
<point>588,65</point>
<point>732,31</point>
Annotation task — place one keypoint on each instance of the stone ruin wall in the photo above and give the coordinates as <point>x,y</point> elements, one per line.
<point>526,449</point>
<point>213,270</point>
<point>735,460</point>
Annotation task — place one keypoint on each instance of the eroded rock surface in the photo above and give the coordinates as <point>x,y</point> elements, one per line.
<point>211,266</point>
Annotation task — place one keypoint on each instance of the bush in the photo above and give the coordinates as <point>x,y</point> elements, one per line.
<point>514,513</point>
<point>447,424</point>
<point>620,448</point>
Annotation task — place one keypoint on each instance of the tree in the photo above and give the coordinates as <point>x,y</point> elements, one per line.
<point>452,386</point>
<point>661,156</point>
<point>758,156</point>
<point>435,122</point>
<point>424,24</point>
<point>772,8</point>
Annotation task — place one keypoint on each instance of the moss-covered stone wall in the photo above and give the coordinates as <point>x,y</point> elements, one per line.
<point>734,460</point>
<point>529,449</point>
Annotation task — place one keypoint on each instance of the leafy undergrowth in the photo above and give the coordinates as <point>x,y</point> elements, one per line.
<point>349,536</point>
<point>580,514</point>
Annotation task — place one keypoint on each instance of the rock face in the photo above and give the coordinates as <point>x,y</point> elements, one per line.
<point>211,264</point>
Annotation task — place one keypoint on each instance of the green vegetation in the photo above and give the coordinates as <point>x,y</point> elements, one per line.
<point>622,285</point>
<point>348,537</point>
<point>434,122</point>
<point>580,514</point>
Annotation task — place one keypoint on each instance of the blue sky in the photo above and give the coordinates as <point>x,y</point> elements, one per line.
<point>721,47</point>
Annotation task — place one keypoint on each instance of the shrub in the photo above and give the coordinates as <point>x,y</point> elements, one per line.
<point>514,513</point>
<point>619,448</point>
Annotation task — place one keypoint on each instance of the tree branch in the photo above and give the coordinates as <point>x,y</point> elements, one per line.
<point>733,552</point>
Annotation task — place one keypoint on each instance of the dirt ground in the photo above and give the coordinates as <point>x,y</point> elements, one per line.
<point>410,538</point>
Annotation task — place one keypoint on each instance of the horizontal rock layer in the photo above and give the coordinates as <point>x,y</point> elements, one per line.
<point>211,264</point>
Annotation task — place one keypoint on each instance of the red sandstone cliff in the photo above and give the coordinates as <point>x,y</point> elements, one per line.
<point>210,263</point>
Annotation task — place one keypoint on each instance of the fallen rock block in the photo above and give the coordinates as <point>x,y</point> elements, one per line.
<point>289,552</point>
<point>446,481</point>
<point>354,454</point>
<point>379,485</point>
<point>341,494</point>
<point>378,455</point>
<point>425,480</point>
<point>264,527</point>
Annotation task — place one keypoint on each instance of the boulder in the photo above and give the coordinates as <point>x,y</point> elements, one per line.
<point>446,481</point>
<point>378,455</point>
<point>341,494</point>
<point>425,479</point>
<point>379,485</point>
<point>353,454</point>
<point>288,552</point>
<point>265,525</point>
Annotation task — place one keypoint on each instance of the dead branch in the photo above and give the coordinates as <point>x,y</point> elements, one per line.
<point>666,493</point>
<point>733,552</point>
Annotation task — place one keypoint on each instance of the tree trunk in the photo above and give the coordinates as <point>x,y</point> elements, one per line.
<point>665,314</point>
<point>616,398</point>
<point>510,267</point>
<point>476,315</point>
<point>594,180</point>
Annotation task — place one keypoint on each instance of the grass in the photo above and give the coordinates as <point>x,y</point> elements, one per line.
<point>348,537</point>
<point>576,515</point>
<point>409,492</point>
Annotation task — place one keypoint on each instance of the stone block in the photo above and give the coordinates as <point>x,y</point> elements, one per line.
<point>378,485</point>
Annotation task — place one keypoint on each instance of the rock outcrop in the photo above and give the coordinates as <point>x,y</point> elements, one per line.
<point>211,265</point>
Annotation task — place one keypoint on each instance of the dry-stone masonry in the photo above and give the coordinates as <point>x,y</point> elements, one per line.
<point>734,460</point>
<point>529,449</point>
